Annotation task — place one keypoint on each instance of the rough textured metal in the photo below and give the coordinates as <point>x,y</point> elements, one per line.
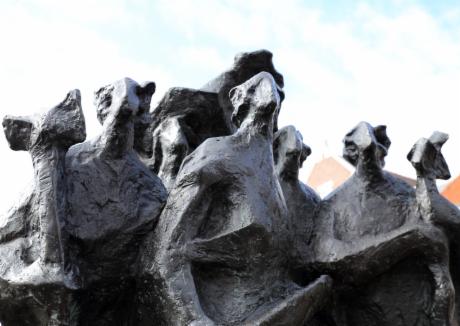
<point>245,65</point>
<point>223,235</point>
<point>186,117</point>
<point>239,240</point>
<point>34,289</point>
<point>183,119</point>
<point>429,164</point>
<point>302,202</point>
<point>69,250</point>
<point>113,201</point>
<point>391,267</point>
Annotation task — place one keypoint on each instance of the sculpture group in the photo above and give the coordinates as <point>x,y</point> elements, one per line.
<point>193,214</point>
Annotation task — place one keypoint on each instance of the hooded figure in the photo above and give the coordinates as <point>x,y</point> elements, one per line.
<point>302,202</point>
<point>219,248</point>
<point>113,202</point>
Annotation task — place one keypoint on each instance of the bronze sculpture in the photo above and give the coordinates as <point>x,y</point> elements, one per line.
<point>239,239</point>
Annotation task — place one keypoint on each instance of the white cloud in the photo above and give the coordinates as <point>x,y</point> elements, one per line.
<point>400,69</point>
<point>40,62</point>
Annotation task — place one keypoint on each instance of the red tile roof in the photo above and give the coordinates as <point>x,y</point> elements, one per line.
<point>331,172</point>
<point>452,191</point>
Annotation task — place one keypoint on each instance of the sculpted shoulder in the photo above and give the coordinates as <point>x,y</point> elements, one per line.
<point>208,157</point>
<point>345,190</point>
<point>399,185</point>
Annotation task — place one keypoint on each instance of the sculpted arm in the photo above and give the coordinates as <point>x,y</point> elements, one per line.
<point>364,258</point>
<point>177,227</point>
<point>15,225</point>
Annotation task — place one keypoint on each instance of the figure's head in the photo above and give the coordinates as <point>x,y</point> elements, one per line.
<point>248,64</point>
<point>427,159</point>
<point>251,63</point>
<point>124,96</point>
<point>256,99</point>
<point>63,125</point>
<point>366,142</point>
<point>289,151</point>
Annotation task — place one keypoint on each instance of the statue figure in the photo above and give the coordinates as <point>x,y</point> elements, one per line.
<point>218,253</point>
<point>113,202</point>
<point>245,66</point>
<point>33,286</point>
<point>370,239</point>
<point>429,164</point>
<point>183,119</point>
<point>186,117</point>
<point>240,240</point>
<point>302,202</point>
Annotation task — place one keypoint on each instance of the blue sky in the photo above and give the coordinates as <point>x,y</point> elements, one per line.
<point>386,62</point>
